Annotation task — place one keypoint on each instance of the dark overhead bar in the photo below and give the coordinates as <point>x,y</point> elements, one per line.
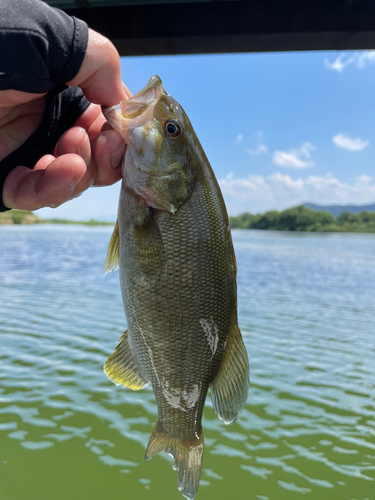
<point>158,28</point>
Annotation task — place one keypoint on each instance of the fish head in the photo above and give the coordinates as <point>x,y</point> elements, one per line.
<point>157,162</point>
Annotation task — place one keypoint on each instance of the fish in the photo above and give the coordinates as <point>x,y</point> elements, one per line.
<point>173,247</point>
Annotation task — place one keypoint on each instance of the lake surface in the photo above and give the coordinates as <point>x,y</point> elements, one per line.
<point>307,314</point>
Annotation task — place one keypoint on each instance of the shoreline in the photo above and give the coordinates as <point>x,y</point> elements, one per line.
<point>302,219</point>
<point>24,217</point>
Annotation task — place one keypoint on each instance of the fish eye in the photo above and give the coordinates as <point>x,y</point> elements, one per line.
<point>173,129</point>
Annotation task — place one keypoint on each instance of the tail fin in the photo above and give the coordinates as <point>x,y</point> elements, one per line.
<point>188,459</point>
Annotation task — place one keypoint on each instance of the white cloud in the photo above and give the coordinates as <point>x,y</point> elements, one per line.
<point>260,147</point>
<point>279,191</point>
<point>345,142</point>
<point>295,158</point>
<point>359,59</point>
<point>238,139</point>
<point>255,193</point>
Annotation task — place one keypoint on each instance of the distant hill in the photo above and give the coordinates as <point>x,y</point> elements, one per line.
<point>336,210</point>
<point>302,218</point>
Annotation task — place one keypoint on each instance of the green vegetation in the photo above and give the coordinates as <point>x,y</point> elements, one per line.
<point>303,219</point>
<point>90,222</point>
<point>294,219</point>
<point>26,217</point>
<point>18,217</point>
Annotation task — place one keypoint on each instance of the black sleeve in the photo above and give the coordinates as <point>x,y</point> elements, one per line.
<point>41,46</point>
<point>64,107</point>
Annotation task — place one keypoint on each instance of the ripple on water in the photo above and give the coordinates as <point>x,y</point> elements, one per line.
<point>306,310</point>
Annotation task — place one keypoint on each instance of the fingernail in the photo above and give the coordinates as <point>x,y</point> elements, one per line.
<point>117,157</point>
<point>117,150</point>
<point>77,180</point>
<point>83,148</point>
<point>127,91</point>
<point>116,142</point>
<point>74,184</point>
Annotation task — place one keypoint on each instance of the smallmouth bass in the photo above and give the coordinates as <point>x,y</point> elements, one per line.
<point>173,246</point>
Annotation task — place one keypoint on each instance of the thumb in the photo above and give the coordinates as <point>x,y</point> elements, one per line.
<point>100,73</point>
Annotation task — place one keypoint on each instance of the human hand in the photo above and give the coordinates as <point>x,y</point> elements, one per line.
<point>87,154</point>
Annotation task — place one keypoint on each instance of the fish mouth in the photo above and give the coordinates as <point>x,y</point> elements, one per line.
<point>136,108</point>
<point>153,88</point>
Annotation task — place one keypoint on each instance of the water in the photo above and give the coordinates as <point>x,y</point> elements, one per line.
<point>306,310</point>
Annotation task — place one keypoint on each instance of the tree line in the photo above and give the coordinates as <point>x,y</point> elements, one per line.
<point>303,219</point>
<point>26,217</point>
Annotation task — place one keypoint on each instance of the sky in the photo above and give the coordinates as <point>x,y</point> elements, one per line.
<point>279,129</point>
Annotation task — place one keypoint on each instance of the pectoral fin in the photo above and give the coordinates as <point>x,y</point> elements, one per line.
<point>149,243</point>
<point>231,385</point>
<point>122,367</point>
<point>112,259</point>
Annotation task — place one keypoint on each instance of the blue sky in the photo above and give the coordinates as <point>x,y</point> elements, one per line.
<point>279,129</point>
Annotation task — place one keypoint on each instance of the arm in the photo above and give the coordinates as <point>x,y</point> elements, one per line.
<point>49,48</point>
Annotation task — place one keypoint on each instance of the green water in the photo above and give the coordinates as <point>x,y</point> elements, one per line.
<point>307,313</point>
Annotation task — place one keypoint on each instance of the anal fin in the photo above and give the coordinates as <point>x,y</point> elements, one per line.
<point>231,385</point>
<point>122,367</point>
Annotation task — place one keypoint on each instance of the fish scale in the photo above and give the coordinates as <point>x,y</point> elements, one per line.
<point>173,246</point>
